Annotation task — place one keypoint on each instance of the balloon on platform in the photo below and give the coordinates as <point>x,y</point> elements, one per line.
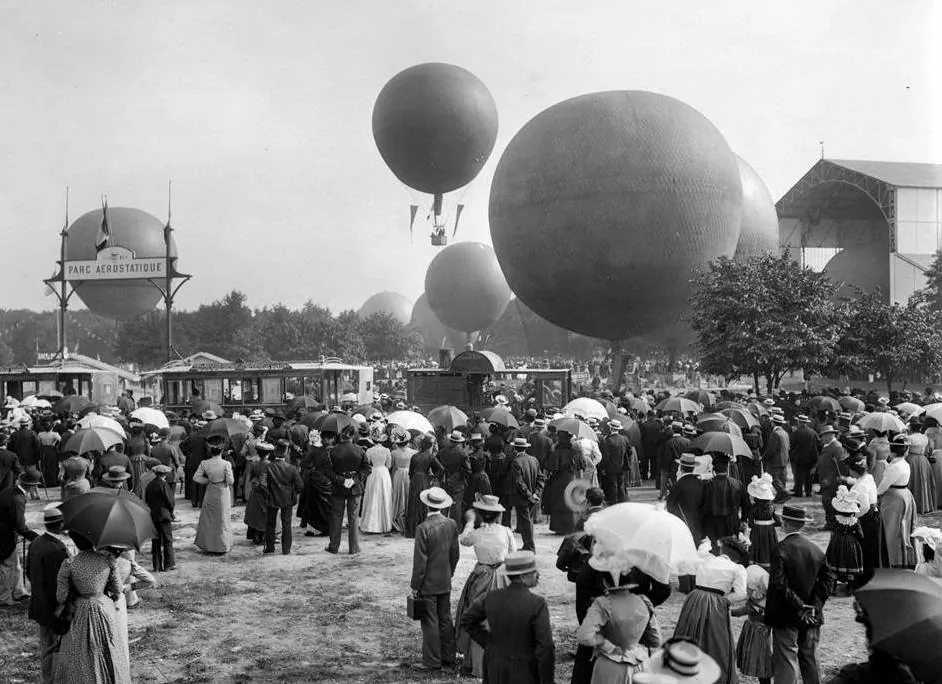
<point>865,266</point>
<point>131,229</point>
<point>396,305</point>
<point>435,334</point>
<point>759,232</point>
<point>604,206</point>
<point>465,287</point>
<point>435,126</point>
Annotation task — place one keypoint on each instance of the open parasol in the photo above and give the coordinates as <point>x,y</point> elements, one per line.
<point>679,405</point>
<point>909,408</point>
<point>852,404</point>
<point>448,417</point>
<point>905,612</point>
<point>92,439</point>
<point>587,408</point>
<point>335,422</point>
<point>574,427</point>
<point>501,416</point>
<point>637,535</point>
<point>717,422</point>
<point>151,416</point>
<point>825,403</point>
<point>882,421</point>
<point>702,397</point>
<point>742,417</point>
<point>71,404</point>
<point>32,401</point>
<point>410,420</point>
<point>722,442</point>
<point>226,427</point>
<point>93,420</point>
<point>108,518</point>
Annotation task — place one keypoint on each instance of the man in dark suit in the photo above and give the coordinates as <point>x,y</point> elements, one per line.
<point>724,502</point>
<point>615,463</point>
<point>454,458</point>
<point>13,526</point>
<point>675,447</point>
<point>650,434</point>
<point>540,444</point>
<point>28,449</point>
<point>433,563</point>
<point>804,455</point>
<point>829,459</point>
<point>195,451</point>
<point>800,582</point>
<point>686,499</point>
<point>775,458</point>
<point>111,458</point>
<point>283,482</point>
<point>160,500</point>
<point>46,555</point>
<point>527,489</point>
<point>517,639</point>
<point>349,469</point>
<point>9,464</point>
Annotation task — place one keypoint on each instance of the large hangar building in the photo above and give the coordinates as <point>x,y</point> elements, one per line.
<point>876,225</point>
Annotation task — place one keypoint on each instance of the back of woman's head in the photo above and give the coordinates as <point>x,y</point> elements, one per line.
<point>425,442</point>
<point>489,516</point>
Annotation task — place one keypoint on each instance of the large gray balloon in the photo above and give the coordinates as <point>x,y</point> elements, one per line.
<point>759,219</point>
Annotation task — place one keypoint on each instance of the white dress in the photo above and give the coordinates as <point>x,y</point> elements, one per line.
<point>377,495</point>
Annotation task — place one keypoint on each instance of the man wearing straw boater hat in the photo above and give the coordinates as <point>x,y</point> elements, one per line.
<point>776,455</point>
<point>527,479</point>
<point>801,582</point>
<point>433,563</point>
<point>616,452</point>
<point>454,458</point>
<point>12,527</point>
<point>46,555</point>
<point>804,455</point>
<point>513,626</point>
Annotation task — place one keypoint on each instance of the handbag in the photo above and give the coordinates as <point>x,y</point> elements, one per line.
<point>416,607</point>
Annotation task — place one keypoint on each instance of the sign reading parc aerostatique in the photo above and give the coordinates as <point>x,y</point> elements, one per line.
<point>116,263</point>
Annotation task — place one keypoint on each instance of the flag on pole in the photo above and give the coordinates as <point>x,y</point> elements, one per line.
<point>103,239</point>
<point>413,210</point>
<point>458,210</point>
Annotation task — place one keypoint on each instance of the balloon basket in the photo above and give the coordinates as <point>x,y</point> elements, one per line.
<point>439,240</point>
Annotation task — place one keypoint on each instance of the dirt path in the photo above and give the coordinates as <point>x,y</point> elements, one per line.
<point>313,616</point>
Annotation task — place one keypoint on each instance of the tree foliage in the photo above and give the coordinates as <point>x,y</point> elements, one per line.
<point>764,317</point>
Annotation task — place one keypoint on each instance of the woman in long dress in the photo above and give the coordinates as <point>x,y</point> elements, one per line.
<point>934,454</point>
<point>318,486</point>
<point>622,628</point>
<point>880,447</point>
<point>897,511</point>
<point>214,530</point>
<point>423,468</point>
<point>131,577</point>
<point>90,652</point>
<point>402,455</point>
<point>921,479</point>
<point>377,494</point>
<point>256,510</point>
<point>868,515</point>
<point>704,616</point>
<point>564,464</point>
<point>492,542</point>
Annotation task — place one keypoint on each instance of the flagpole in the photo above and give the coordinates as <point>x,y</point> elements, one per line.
<point>168,286</point>
<point>63,299</point>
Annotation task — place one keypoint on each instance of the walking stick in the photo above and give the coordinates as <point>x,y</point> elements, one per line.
<point>24,568</point>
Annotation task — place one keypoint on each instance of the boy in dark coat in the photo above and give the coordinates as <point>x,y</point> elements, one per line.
<point>517,639</point>
<point>160,501</point>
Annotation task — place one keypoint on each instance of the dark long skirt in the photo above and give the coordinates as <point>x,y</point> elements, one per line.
<point>705,619</point>
<point>317,490</point>
<point>562,520</point>
<point>870,546</point>
<point>256,513</point>
<point>482,580</point>
<point>415,513</point>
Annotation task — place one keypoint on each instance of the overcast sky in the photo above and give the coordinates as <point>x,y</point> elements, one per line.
<point>260,113</point>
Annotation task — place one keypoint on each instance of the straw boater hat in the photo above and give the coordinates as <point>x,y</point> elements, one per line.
<point>688,462</point>
<point>679,662</point>
<point>519,563</point>
<point>436,497</point>
<point>795,514</point>
<point>677,426</point>
<point>264,446</point>
<point>855,431</point>
<point>117,474</point>
<point>827,430</point>
<point>689,430</point>
<point>52,514</point>
<point>769,402</point>
<point>614,425</point>
<point>845,501</point>
<point>802,418</point>
<point>488,502</point>
<point>900,440</point>
<point>761,488</point>
<point>376,416</point>
<point>476,437</point>
<point>521,443</point>
<point>500,400</point>
<point>456,437</point>
<point>539,422</point>
<point>209,415</point>
<point>162,469</point>
<point>883,400</point>
<point>778,419</point>
<point>400,436</point>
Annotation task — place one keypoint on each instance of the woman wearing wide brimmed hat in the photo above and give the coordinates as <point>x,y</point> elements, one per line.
<point>402,453</point>
<point>492,542</point>
<point>868,514</point>
<point>897,510</point>
<point>844,554</point>
<point>425,470</point>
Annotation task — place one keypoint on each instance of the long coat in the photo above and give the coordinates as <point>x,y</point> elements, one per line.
<point>46,555</point>
<point>12,520</point>
<point>799,576</point>
<point>518,641</point>
<point>686,501</point>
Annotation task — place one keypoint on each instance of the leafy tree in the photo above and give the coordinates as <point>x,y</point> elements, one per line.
<point>764,317</point>
<point>225,328</point>
<point>386,338</point>
<point>343,337</point>
<point>898,342</point>
<point>930,297</point>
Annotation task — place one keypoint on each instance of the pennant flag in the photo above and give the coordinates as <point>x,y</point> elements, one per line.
<point>458,210</point>
<point>413,210</point>
<point>103,239</point>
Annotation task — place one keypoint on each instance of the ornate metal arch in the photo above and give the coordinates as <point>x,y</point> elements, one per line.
<point>881,193</point>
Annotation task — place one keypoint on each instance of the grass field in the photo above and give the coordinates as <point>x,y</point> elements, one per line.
<point>316,617</point>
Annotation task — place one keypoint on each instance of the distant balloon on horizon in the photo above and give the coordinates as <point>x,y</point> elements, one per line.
<point>396,305</point>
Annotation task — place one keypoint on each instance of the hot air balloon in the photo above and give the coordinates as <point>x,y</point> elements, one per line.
<point>604,206</point>
<point>759,232</point>
<point>865,266</point>
<point>132,229</point>
<point>435,126</point>
<point>435,334</point>
<point>465,287</point>
<point>392,303</point>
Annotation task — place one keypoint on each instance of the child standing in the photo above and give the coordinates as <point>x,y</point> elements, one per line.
<point>754,649</point>
<point>844,554</point>
<point>762,520</point>
<point>160,500</point>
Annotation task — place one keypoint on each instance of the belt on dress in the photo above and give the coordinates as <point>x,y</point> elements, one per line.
<point>763,522</point>
<point>720,592</point>
<point>899,486</point>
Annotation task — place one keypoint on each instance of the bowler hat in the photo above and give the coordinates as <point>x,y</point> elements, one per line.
<point>436,497</point>
<point>31,476</point>
<point>519,563</point>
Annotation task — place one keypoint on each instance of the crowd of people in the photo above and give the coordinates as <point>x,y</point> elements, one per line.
<point>476,481</point>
